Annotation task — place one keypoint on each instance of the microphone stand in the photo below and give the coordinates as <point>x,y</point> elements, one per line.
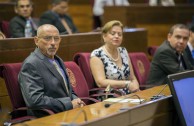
<point>158,96</point>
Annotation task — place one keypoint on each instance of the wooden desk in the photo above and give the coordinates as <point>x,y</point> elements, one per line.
<point>156,19</point>
<point>16,50</point>
<point>151,113</point>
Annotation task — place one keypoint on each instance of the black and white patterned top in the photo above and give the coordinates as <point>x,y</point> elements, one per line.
<point>112,71</point>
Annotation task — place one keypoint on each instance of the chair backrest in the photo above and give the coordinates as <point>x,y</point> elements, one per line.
<point>5,28</point>
<point>82,59</point>
<point>152,50</point>
<point>141,66</point>
<point>9,72</point>
<point>77,79</point>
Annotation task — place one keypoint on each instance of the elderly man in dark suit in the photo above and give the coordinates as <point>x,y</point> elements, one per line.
<point>24,9</point>
<point>58,17</point>
<point>170,57</point>
<point>43,79</point>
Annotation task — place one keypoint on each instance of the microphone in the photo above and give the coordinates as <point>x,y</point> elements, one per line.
<point>72,123</point>
<point>158,96</point>
<point>116,92</point>
<point>107,105</point>
<point>107,90</point>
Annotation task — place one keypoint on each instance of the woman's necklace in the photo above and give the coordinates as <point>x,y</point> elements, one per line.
<point>110,55</point>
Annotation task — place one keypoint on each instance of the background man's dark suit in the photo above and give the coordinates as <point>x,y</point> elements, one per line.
<point>165,62</point>
<point>189,55</point>
<point>50,17</point>
<point>39,75</point>
<point>17,27</point>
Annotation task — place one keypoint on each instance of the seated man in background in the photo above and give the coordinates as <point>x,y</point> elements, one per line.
<point>17,25</point>
<point>43,78</point>
<point>58,17</point>
<point>170,56</point>
<point>190,46</point>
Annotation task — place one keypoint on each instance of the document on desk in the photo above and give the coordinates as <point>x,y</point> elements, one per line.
<point>123,100</point>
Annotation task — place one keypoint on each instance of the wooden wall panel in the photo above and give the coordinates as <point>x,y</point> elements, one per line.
<point>157,20</point>
<point>82,17</point>
<point>6,11</point>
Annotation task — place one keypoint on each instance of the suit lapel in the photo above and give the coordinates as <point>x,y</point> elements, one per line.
<point>52,69</point>
<point>185,58</point>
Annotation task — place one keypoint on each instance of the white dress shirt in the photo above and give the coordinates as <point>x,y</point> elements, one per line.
<point>163,2</point>
<point>190,46</point>
<point>98,8</point>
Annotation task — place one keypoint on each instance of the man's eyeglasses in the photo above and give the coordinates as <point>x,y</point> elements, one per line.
<point>50,38</point>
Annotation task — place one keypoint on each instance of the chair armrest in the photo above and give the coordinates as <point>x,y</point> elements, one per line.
<point>89,99</point>
<point>22,111</point>
<point>102,96</point>
<point>146,86</point>
<point>18,120</point>
<point>115,91</point>
<point>19,115</point>
<point>96,90</point>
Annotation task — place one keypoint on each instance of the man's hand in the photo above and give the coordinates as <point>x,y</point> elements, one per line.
<point>77,103</point>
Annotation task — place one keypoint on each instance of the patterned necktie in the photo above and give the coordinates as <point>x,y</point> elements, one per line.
<point>180,61</point>
<point>66,26</point>
<point>33,24</point>
<point>192,53</point>
<point>60,72</point>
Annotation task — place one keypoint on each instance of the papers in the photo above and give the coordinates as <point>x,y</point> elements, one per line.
<point>123,100</point>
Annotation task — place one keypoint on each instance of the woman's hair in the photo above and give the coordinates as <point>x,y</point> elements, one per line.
<point>108,26</point>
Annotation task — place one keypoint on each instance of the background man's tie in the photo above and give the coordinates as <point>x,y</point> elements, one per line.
<point>180,59</point>
<point>66,26</point>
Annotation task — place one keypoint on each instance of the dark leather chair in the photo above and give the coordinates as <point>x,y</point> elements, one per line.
<point>9,72</point>
<point>78,82</point>
<point>5,28</point>
<point>82,59</point>
<point>152,50</point>
<point>141,67</point>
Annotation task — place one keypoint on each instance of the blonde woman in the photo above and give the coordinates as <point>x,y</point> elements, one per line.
<point>110,64</point>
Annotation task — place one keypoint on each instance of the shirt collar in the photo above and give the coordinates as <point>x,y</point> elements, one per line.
<point>190,46</point>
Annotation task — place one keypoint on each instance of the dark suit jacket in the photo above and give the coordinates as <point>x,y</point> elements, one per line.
<point>50,17</point>
<point>42,86</point>
<point>189,55</point>
<point>165,62</point>
<point>17,26</point>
